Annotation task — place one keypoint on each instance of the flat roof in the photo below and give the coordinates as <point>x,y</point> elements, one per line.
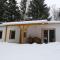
<point>31,22</point>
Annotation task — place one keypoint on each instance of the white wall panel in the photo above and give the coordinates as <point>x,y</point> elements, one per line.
<point>3,29</point>
<point>17,34</point>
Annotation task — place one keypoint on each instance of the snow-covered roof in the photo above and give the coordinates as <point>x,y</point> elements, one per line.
<point>10,51</point>
<point>26,22</point>
<point>31,22</point>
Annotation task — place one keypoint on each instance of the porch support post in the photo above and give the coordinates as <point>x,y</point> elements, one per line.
<point>22,34</point>
<point>5,34</point>
<point>23,29</point>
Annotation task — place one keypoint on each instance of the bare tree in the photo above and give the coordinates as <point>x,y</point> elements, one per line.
<point>55,13</point>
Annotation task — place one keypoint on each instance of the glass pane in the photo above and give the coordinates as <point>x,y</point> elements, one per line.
<point>45,36</point>
<point>24,34</point>
<point>52,36</point>
<point>12,35</point>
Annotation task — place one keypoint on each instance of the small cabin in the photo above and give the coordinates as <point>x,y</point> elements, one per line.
<point>23,31</point>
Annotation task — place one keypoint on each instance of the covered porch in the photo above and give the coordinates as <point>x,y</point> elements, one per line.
<point>36,33</point>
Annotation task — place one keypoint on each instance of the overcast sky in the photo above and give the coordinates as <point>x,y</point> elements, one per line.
<point>53,2</point>
<point>50,3</point>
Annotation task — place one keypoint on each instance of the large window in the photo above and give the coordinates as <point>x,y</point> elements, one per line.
<point>12,34</point>
<point>0,34</point>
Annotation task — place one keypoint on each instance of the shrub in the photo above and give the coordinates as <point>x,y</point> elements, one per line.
<point>37,40</point>
<point>31,40</point>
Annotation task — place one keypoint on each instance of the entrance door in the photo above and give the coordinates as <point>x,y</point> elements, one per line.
<point>48,35</point>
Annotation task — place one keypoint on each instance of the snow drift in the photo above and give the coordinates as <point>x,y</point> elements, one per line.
<point>9,51</point>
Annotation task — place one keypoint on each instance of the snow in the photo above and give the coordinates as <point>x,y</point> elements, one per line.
<point>25,22</point>
<point>30,22</point>
<point>10,51</point>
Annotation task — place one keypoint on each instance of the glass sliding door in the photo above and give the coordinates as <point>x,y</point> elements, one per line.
<point>48,35</point>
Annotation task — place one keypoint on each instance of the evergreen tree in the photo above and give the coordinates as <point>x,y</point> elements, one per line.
<point>12,12</point>
<point>2,9</point>
<point>9,11</point>
<point>38,10</point>
<point>23,8</point>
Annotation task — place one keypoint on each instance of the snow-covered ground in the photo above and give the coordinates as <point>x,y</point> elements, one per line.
<point>10,51</point>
